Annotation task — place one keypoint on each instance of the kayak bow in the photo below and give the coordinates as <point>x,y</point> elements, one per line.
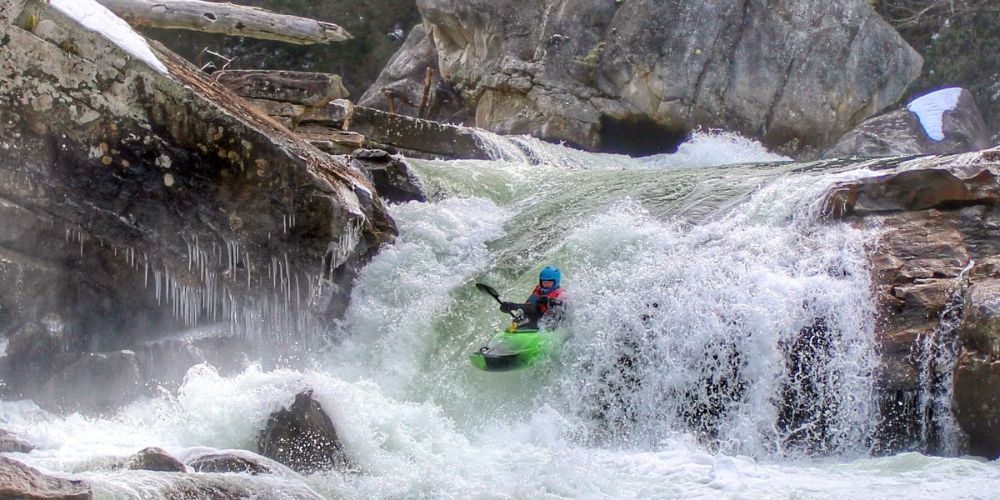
<point>512,350</point>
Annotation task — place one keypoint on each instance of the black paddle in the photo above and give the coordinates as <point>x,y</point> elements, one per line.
<point>489,291</point>
<point>496,296</point>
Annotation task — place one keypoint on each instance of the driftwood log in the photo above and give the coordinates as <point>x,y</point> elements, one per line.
<point>227,19</point>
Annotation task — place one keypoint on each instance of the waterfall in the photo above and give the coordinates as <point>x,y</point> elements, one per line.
<point>718,342</point>
<point>938,356</point>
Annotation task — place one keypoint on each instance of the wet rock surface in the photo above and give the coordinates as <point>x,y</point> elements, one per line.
<point>18,481</point>
<point>900,132</point>
<point>390,175</point>
<point>934,272</point>
<point>595,74</point>
<point>154,459</point>
<point>977,373</point>
<point>302,437</point>
<point>231,462</point>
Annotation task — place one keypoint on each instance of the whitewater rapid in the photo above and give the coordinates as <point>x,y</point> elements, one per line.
<point>699,268</point>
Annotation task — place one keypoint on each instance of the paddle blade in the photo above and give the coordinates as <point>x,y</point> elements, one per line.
<point>488,290</point>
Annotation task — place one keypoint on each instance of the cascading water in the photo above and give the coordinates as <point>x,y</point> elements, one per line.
<point>938,354</point>
<point>718,342</point>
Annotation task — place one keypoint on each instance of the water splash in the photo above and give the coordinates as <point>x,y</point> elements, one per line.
<point>753,332</point>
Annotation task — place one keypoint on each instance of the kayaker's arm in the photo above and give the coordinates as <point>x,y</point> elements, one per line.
<point>530,310</point>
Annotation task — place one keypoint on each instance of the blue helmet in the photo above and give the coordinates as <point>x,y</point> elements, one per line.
<point>549,273</point>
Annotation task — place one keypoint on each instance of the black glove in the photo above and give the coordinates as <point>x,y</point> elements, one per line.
<point>507,307</point>
<point>542,301</point>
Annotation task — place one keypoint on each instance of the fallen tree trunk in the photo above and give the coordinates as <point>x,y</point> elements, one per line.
<point>227,19</point>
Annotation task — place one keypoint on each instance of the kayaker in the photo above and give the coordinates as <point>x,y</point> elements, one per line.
<point>545,301</point>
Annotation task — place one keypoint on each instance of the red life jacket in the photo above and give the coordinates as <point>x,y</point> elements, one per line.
<point>552,295</point>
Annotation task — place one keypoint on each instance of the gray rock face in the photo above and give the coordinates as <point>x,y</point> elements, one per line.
<point>302,437</point>
<point>640,74</point>
<point>134,202</point>
<point>900,133</point>
<point>403,79</point>
<point>22,482</point>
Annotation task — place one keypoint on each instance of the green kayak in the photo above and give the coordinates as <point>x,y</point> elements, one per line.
<point>512,350</point>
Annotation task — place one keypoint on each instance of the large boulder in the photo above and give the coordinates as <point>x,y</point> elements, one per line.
<point>902,132</point>
<point>22,482</point>
<point>141,197</point>
<point>302,437</point>
<point>639,75</point>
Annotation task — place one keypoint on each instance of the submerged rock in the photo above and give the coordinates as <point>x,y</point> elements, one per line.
<point>18,481</point>
<point>154,459</point>
<point>302,437</point>
<point>638,76</point>
<point>224,462</point>
<point>900,133</point>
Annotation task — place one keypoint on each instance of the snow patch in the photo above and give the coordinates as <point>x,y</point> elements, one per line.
<point>930,110</point>
<point>96,17</point>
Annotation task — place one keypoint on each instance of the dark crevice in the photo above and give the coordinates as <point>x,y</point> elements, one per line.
<point>639,136</point>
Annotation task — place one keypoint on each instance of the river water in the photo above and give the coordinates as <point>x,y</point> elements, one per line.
<point>690,278</point>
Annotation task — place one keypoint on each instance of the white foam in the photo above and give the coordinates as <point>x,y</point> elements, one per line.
<point>708,148</point>
<point>930,110</point>
<point>705,148</point>
<point>98,18</point>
